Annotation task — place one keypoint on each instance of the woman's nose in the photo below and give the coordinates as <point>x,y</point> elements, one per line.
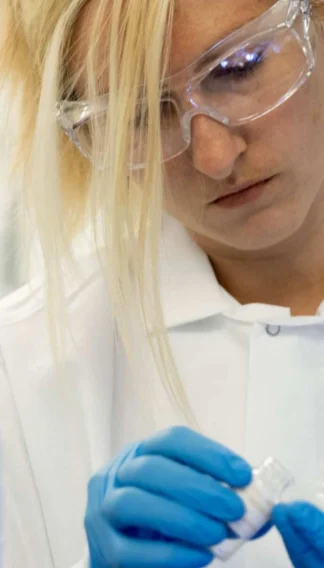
<point>214,147</point>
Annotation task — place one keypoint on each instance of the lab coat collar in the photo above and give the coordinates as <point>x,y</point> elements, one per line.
<point>190,290</point>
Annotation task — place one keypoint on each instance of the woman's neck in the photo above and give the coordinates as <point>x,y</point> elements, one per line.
<point>290,274</point>
<point>272,283</point>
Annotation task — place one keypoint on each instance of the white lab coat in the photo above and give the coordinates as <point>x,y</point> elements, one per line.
<point>253,375</point>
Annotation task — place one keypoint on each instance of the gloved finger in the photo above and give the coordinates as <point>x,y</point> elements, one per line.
<point>110,549</point>
<point>180,483</point>
<point>96,489</point>
<point>105,477</point>
<point>308,520</point>
<point>131,553</point>
<point>300,553</point>
<point>132,507</point>
<point>198,452</point>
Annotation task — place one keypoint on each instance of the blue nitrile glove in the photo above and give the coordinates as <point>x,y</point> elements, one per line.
<point>160,502</point>
<point>301,526</point>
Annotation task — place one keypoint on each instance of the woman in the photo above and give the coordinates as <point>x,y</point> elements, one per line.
<point>190,138</point>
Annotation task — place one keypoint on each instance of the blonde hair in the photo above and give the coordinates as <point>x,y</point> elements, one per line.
<point>34,59</point>
<point>62,192</point>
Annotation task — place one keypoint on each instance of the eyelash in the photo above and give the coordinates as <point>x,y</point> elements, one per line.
<point>237,73</point>
<point>240,73</point>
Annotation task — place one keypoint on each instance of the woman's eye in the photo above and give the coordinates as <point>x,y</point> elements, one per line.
<point>236,68</point>
<point>167,110</point>
<point>241,72</point>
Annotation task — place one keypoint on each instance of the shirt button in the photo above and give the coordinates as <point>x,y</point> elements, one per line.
<point>273,330</point>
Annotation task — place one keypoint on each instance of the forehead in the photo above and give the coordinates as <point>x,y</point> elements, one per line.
<point>197,29</point>
<point>197,25</point>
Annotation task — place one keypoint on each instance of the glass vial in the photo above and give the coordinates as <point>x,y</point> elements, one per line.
<point>266,490</point>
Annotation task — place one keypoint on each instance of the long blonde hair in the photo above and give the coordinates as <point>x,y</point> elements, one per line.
<point>62,192</point>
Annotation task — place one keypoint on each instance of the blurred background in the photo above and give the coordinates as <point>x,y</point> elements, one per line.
<point>16,266</point>
<point>12,271</point>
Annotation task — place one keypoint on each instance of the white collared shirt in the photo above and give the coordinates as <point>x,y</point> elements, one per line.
<point>253,374</point>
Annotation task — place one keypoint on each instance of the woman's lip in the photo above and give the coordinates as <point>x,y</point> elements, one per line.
<point>243,196</point>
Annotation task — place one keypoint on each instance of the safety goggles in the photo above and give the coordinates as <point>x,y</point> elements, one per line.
<point>240,79</point>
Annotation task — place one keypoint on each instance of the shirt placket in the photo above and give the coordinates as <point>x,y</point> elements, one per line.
<point>280,417</point>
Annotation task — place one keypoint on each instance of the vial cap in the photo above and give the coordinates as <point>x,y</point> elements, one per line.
<point>274,478</point>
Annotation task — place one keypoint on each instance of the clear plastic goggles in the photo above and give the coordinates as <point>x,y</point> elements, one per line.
<point>241,78</point>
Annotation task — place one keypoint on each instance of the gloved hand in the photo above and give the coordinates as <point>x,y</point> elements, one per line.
<point>301,526</point>
<point>160,503</point>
